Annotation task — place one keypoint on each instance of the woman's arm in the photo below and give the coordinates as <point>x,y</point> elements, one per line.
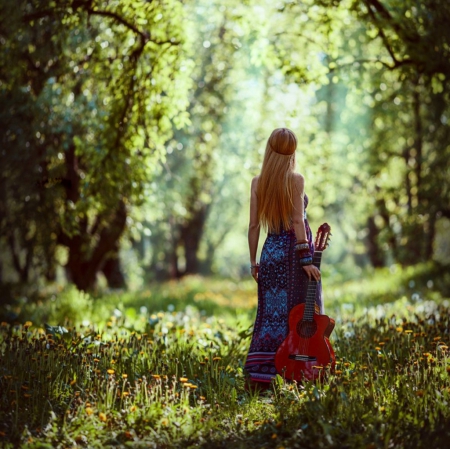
<point>253,227</point>
<point>298,221</point>
<point>298,212</point>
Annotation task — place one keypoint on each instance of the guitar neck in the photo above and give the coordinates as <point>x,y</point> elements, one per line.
<point>312,290</point>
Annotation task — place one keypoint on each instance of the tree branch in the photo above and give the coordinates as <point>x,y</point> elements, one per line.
<point>144,36</point>
<point>384,13</point>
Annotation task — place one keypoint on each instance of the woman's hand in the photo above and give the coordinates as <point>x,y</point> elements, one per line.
<point>254,270</point>
<point>312,271</point>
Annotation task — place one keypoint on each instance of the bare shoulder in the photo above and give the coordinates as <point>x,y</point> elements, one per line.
<point>255,182</point>
<point>299,181</point>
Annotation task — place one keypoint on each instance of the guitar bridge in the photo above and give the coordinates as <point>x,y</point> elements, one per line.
<point>302,358</point>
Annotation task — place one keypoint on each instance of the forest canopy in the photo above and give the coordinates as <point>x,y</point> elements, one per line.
<point>130,131</point>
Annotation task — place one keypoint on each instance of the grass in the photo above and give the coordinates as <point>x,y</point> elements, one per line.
<point>163,368</point>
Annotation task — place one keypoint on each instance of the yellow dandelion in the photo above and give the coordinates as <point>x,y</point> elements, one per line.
<point>215,359</point>
<point>28,324</point>
<point>110,371</point>
<point>408,331</point>
<point>203,398</point>
<point>318,367</point>
<point>436,338</point>
<point>96,360</point>
<point>274,436</point>
<point>132,408</point>
<point>89,411</point>
<point>156,376</point>
<point>124,376</point>
<point>102,416</point>
<point>165,422</point>
<point>346,364</point>
<point>187,384</point>
<point>399,329</point>
<point>193,387</point>
<point>183,379</point>
<point>337,372</point>
<point>125,394</point>
<point>377,348</point>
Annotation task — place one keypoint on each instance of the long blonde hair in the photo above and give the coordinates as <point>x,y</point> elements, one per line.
<point>276,181</point>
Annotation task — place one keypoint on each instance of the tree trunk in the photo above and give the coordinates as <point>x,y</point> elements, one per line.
<point>191,234</point>
<point>82,269</point>
<point>22,270</point>
<point>112,269</point>
<point>430,234</point>
<point>373,248</point>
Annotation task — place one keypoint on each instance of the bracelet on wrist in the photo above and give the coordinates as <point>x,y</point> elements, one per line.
<point>301,246</point>
<point>305,261</point>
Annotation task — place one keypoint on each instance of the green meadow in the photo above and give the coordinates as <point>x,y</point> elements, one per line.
<point>163,368</point>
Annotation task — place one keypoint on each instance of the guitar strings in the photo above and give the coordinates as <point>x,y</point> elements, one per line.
<point>309,310</point>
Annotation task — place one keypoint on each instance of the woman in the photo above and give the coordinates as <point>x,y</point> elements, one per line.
<point>278,203</point>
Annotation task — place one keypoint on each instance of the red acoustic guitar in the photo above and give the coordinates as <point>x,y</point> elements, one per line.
<point>307,351</point>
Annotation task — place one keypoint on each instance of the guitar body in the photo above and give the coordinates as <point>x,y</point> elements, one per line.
<point>306,348</point>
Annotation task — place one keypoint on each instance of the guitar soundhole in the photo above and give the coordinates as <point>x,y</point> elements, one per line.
<point>306,329</point>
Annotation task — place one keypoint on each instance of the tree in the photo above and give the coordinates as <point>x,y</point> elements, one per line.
<point>93,98</point>
<point>182,238</point>
<point>389,61</point>
<point>410,146</point>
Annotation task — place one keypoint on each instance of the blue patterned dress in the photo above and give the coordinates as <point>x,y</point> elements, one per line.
<point>282,284</point>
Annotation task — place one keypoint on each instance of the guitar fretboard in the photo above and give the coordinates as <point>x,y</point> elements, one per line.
<point>308,315</point>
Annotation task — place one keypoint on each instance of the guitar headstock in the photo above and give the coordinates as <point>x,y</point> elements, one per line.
<point>322,237</point>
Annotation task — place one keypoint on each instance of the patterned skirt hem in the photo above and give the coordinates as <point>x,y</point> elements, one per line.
<point>260,366</point>
<point>266,378</point>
